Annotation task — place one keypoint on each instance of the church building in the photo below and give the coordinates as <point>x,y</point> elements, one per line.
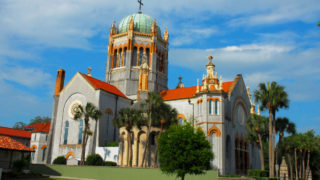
<point>137,63</point>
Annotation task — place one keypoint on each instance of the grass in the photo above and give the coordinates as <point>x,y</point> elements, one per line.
<point>45,179</point>
<point>113,173</point>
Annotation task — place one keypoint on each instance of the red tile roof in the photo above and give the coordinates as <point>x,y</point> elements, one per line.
<point>39,127</point>
<point>8,143</point>
<point>187,92</point>
<point>15,132</point>
<point>103,85</point>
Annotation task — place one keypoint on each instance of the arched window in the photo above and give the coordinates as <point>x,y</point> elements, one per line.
<point>115,58</point>
<point>152,139</point>
<point>134,57</point>
<point>210,107</point>
<point>140,56</point>
<point>108,123</point>
<point>124,56</point>
<point>66,129</point>
<point>148,57</point>
<point>120,58</point>
<point>43,153</point>
<point>216,106</point>
<point>80,132</point>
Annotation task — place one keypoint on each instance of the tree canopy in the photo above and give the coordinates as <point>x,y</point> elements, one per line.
<point>184,150</point>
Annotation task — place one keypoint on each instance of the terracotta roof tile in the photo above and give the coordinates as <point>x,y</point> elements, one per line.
<point>39,127</point>
<point>14,132</point>
<point>103,85</point>
<point>8,143</point>
<point>187,92</point>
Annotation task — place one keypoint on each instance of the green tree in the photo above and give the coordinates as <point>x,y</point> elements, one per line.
<point>152,104</point>
<point>88,112</point>
<point>257,127</point>
<point>283,125</point>
<point>19,125</point>
<point>128,118</point>
<point>184,150</point>
<point>168,117</point>
<point>272,97</point>
<point>39,119</point>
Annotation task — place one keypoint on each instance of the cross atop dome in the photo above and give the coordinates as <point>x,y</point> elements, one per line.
<point>140,4</point>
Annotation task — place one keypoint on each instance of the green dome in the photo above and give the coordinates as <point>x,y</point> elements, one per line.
<point>142,23</point>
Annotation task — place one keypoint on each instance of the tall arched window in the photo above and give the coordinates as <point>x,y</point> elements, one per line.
<point>210,106</point>
<point>108,123</point>
<point>216,106</point>
<point>124,56</point>
<point>148,57</point>
<point>134,57</point>
<point>115,58</point>
<point>120,58</point>
<point>66,129</point>
<point>43,153</point>
<point>140,56</point>
<point>80,132</point>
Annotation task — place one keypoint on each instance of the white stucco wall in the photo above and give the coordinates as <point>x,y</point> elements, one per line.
<point>108,153</point>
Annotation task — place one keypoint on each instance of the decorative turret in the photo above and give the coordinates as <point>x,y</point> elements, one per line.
<point>180,84</point>
<point>253,106</point>
<point>143,78</point>
<point>210,81</point>
<point>166,36</point>
<point>113,29</point>
<point>154,27</point>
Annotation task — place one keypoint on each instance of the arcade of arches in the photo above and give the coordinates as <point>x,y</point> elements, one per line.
<point>119,57</point>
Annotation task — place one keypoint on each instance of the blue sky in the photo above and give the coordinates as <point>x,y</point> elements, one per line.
<point>262,40</point>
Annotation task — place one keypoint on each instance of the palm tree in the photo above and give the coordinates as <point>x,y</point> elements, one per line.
<point>167,116</point>
<point>128,118</point>
<point>88,112</point>
<point>153,103</point>
<point>272,97</point>
<point>257,127</point>
<point>283,125</point>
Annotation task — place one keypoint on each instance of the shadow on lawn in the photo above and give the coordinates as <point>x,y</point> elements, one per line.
<point>43,169</point>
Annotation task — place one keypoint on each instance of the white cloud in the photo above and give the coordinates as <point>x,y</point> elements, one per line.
<point>30,77</point>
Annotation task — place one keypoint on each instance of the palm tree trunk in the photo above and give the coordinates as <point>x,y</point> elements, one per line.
<point>143,164</point>
<point>308,167</point>
<point>290,165</point>
<point>296,162</point>
<point>261,152</point>
<point>156,155</point>
<point>84,142</point>
<point>271,174</point>
<point>303,164</point>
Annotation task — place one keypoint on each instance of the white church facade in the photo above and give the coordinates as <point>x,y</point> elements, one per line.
<point>137,63</point>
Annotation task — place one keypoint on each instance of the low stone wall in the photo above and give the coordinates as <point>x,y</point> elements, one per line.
<point>108,153</point>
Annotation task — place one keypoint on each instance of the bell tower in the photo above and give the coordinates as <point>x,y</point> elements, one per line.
<point>137,35</point>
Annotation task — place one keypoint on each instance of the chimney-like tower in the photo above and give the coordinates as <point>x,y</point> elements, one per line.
<point>59,82</point>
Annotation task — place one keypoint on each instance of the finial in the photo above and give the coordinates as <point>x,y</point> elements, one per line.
<point>89,71</point>
<point>180,84</point>
<point>210,57</point>
<point>140,4</point>
<point>197,85</point>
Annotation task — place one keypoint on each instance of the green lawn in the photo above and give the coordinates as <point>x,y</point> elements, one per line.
<point>113,173</point>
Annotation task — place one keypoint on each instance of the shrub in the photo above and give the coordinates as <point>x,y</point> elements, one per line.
<point>94,160</point>
<point>230,175</point>
<point>110,163</point>
<point>19,165</point>
<point>257,173</point>
<point>60,160</point>
<point>112,144</point>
